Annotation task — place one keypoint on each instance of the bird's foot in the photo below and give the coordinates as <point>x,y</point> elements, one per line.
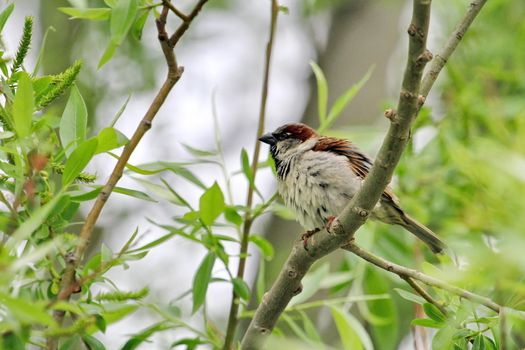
<point>308,234</point>
<point>329,221</point>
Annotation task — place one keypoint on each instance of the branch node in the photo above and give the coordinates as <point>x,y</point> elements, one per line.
<point>146,123</point>
<point>412,30</point>
<point>391,114</point>
<point>407,94</point>
<point>70,258</point>
<point>362,212</point>
<point>292,273</point>
<point>421,100</point>
<point>298,290</point>
<point>425,57</point>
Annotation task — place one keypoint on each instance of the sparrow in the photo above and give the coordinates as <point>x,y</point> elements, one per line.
<point>318,175</point>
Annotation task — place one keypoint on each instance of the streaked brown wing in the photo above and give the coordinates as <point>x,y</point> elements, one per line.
<point>358,161</point>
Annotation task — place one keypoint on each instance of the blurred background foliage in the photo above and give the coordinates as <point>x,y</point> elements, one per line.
<point>463,175</point>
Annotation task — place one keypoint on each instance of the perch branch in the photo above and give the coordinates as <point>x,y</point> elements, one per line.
<point>408,274</point>
<point>248,220</point>
<point>173,76</point>
<point>357,211</point>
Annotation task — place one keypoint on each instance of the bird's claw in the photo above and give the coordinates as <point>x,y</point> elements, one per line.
<point>308,234</point>
<point>329,221</point>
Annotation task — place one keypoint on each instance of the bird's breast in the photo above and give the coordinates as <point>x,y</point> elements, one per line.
<point>317,185</point>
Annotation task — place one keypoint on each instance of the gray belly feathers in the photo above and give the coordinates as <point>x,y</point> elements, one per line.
<point>317,186</point>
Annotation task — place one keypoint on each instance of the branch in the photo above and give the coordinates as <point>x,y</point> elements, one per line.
<point>342,230</point>
<point>442,57</point>
<point>419,290</point>
<point>248,220</point>
<point>174,39</point>
<point>68,282</point>
<point>407,274</point>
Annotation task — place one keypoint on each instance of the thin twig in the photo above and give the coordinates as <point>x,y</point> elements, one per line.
<point>175,10</point>
<point>405,273</point>
<point>174,39</point>
<point>442,57</point>
<point>419,290</point>
<point>173,76</point>
<point>248,219</point>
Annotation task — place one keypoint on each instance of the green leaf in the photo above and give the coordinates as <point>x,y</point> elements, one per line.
<point>353,335</point>
<point>110,138</point>
<point>23,105</point>
<point>4,16</point>
<point>108,54</point>
<point>211,204</point>
<point>427,322</point>
<point>201,280</point>
<point>26,312</point>
<point>138,26</point>
<point>434,313</point>
<point>133,193</point>
<point>74,121</point>
<point>322,92</point>
<point>144,335</point>
<point>92,14</point>
<point>264,245</point>
<point>35,221</point>
<point>122,17</point>
<point>443,340</point>
<point>241,289</point>
<point>246,168</point>
<point>78,160</point>
<point>92,343</point>
<point>343,101</point>
<point>158,167</point>
<point>410,296</point>
<point>231,215</point>
<point>198,152</point>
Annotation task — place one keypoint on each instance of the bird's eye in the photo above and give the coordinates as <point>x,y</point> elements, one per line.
<point>287,135</point>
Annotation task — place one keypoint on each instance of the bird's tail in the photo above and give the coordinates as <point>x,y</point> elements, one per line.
<point>423,233</point>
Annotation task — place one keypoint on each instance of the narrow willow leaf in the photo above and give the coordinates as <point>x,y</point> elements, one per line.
<point>349,338</point>
<point>5,15</point>
<point>246,168</point>
<point>211,204</point>
<point>143,336</point>
<point>78,160</point>
<point>201,281</point>
<point>92,14</point>
<point>410,296</point>
<point>23,105</point>
<point>241,288</point>
<point>426,322</point>
<point>73,123</point>
<point>35,220</point>
<point>322,92</point>
<point>92,343</point>
<point>264,245</point>
<point>109,139</point>
<point>138,26</point>
<point>434,313</point>
<point>108,54</point>
<point>343,101</point>
<point>122,17</point>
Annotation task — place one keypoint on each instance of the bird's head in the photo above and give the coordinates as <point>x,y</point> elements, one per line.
<point>288,139</point>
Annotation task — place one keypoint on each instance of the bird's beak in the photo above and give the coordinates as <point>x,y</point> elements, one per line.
<point>268,138</point>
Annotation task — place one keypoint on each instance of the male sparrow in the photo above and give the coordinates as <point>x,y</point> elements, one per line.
<point>317,176</point>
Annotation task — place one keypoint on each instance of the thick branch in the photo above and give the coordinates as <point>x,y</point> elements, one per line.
<point>355,214</point>
<point>68,283</point>
<point>248,220</point>
<point>407,273</point>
